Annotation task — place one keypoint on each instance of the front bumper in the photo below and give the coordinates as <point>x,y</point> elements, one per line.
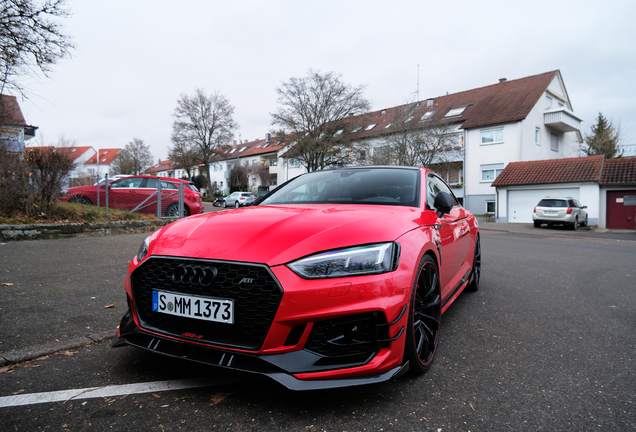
<point>312,334</point>
<point>278,367</point>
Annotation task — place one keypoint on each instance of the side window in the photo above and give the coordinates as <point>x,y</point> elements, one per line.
<point>128,182</point>
<point>572,203</point>
<point>435,185</point>
<point>168,185</point>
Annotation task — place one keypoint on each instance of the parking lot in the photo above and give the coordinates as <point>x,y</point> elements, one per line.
<point>547,343</point>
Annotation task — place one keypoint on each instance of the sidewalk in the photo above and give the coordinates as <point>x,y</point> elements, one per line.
<point>57,295</point>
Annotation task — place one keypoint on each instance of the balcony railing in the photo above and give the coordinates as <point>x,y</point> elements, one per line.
<point>562,120</point>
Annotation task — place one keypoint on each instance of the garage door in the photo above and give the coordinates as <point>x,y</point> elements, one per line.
<point>521,203</point>
<point>619,215</point>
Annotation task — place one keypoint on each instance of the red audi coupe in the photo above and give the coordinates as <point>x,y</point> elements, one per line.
<point>336,278</point>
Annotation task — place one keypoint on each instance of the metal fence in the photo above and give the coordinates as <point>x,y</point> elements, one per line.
<point>148,195</point>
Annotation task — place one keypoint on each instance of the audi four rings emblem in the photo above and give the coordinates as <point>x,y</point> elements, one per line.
<point>194,275</point>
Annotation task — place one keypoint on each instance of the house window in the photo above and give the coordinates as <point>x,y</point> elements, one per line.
<point>548,102</point>
<point>455,112</point>
<point>91,170</point>
<point>492,136</point>
<point>294,163</point>
<point>537,136</point>
<point>371,126</point>
<point>427,115</point>
<point>490,206</point>
<point>554,142</point>
<point>490,172</point>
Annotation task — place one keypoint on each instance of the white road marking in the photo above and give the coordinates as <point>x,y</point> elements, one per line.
<point>107,391</point>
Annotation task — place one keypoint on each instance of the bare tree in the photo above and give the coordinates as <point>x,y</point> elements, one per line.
<point>134,158</point>
<point>239,177</point>
<point>203,124</point>
<point>31,40</point>
<point>184,156</point>
<point>314,116</point>
<point>414,142</point>
<point>604,139</point>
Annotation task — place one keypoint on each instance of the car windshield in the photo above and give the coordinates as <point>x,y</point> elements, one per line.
<point>386,186</point>
<point>552,203</point>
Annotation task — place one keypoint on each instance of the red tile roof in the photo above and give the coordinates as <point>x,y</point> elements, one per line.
<point>579,169</point>
<point>72,152</point>
<point>106,157</point>
<point>163,166</point>
<point>504,102</point>
<point>10,112</point>
<point>619,172</point>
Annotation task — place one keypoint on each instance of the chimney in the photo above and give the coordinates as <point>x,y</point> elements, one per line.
<point>502,80</point>
<point>233,143</point>
<point>383,112</point>
<point>268,138</point>
<point>351,114</point>
<point>429,103</point>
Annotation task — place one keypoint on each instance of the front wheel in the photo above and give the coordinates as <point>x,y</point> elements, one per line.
<point>584,224</point>
<point>224,204</point>
<point>475,275</point>
<point>575,224</point>
<point>81,200</point>
<point>425,315</point>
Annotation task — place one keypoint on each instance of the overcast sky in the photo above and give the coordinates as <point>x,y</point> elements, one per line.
<point>134,58</point>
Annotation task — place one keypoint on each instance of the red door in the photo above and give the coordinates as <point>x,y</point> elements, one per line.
<point>620,216</point>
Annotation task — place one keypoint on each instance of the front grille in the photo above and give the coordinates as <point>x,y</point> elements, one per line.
<point>255,292</point>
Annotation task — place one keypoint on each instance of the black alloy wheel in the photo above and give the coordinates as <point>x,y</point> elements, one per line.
<point>475,274</point>
<point>81,200</point>
<point>425,315</point>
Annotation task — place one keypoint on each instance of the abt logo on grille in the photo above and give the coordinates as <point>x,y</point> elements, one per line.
<point>192,335</point>
<point>246,281</point>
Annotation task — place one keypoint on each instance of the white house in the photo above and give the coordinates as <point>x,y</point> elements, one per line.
<point>525,119</point>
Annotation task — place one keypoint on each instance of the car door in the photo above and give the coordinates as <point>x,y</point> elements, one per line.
<point>454,237</point>
<point>124,193</point>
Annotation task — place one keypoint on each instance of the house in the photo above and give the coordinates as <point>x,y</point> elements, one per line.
<point>79,175</point>
<point>524,119</point>
<point>102,165</point>
<point>259,156</point>
<point>606,186</point>
<point>169,168</point>
<point>14,131</point>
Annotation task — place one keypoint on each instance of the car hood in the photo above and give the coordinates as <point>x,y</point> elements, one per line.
<point>279,234</point>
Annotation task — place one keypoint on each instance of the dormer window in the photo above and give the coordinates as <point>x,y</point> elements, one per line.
<point>427,115</point>
<point>455,112</point>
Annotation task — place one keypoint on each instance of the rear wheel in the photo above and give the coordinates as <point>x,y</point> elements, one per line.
<point>537,224</point>
<point>425,315</point>
<point>81,200</point>
<point>173,211</point>
<point>236,204</point>
<point>475,275</point>
<point>575,224</point>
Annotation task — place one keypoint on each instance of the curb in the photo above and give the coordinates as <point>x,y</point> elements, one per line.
<point>35,351</point>
<point>97,229</point>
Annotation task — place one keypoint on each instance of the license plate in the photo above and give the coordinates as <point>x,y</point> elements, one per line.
<point>548,212</point>
<point>204,308</point>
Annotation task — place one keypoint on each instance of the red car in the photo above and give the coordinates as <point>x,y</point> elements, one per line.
<point>138,193</point>
<point>336,278</point>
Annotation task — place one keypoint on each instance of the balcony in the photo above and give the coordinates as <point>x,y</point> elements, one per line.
<point>273,169</point>
<point>562,120</point>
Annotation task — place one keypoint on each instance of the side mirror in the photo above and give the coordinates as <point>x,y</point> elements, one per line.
<point>443,203</point>
<point>584,207</point>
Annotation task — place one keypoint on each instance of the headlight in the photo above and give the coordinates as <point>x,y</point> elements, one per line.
<point>63,192</point>
<point>361,260</point>
<point>143,249</point>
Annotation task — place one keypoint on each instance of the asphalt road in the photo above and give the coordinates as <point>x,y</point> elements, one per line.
<point>547,343</point>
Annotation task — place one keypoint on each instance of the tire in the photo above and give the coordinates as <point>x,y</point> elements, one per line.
<point>575,224</point>
<point>236,204</point>
<point>425,313</point>
<point>537,224</point>
<point>173,211</point>
<point>584,224</point>
<point>81,200</point>
<point>224,204</point>
<point>475,274</point>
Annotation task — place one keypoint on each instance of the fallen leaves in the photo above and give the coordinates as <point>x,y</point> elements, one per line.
<point>6,284</point>
<point>110,306</point>
<point>218,398</point>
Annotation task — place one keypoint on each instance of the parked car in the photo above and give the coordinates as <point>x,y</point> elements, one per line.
<point>562,211</point>
<point>138,193</point>
<point>113,178</point>
<point>238,199</point>
<point>336,278</point>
